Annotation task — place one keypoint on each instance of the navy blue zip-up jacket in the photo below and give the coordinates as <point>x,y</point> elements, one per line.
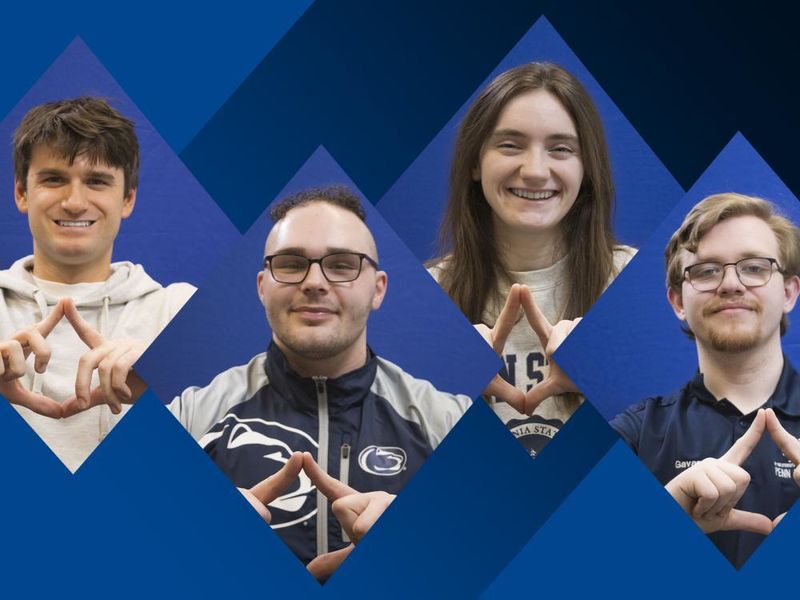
<point>671,433</point>
<point>371,428</point>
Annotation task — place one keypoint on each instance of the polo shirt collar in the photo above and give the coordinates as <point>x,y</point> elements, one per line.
<point>785,398</point>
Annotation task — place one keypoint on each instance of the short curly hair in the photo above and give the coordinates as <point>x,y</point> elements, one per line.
<point>338,195</point>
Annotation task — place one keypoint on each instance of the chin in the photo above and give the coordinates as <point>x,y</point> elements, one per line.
<point>315,348</point>
<point>733,341</point>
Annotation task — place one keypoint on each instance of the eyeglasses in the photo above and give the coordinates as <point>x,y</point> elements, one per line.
<point>339,267</point>
<point>752,272</point>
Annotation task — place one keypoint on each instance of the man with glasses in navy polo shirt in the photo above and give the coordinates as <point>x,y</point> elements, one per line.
<point>725,445</point>
<point>319,389</point>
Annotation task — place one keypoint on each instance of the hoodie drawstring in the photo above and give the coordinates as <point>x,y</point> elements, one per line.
<point>105,412</point>
<point>41,302</point>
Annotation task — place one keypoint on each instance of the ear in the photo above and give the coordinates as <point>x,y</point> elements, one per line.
<point>476,172</point>
<point>128,203</point>
<point>676,301</point>
<point>259,280</point>
<point>20,196</point>
<point>381,283</point>
<point>791,288</point>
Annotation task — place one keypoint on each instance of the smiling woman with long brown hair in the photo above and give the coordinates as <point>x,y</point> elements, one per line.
<point>531,200</point>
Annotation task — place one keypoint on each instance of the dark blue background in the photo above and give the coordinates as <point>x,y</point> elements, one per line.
<point>374,83</point>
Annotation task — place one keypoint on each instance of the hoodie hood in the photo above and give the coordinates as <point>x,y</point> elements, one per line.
<point>127,282</point>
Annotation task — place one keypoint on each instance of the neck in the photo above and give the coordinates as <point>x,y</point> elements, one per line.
<point>529,251</point>
<point>329,367</point>
<point>69,274</point>
<point>747,379</point>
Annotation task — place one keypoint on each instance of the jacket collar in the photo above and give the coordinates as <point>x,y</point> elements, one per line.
<point>347,389</point>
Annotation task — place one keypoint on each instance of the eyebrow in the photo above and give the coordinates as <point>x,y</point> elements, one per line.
<point>742,256</point>
<point>514,133</point>
<point>50,172</point>
<point>103,175</point>
<point>303,252</point>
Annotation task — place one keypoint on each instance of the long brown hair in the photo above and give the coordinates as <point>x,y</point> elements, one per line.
<point>472,268</point>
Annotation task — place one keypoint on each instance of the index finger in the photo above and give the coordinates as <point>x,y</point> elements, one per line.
<point>90,336</point>
<point>506,319</point>
<point>331,488</point>
<point>742,448</point>
<point>273,486</point>
<point>46,325</point>
<point>786,442</point>
<point>541,326</point>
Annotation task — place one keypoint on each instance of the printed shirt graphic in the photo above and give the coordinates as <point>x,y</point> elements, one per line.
<point>370,446</point>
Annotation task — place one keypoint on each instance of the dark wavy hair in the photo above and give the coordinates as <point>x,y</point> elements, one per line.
<point>84,126</point>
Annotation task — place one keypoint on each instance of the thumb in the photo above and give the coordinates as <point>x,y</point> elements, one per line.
<point>742,520</point>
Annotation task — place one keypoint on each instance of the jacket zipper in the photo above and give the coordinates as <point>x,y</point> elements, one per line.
<point>322,461</point>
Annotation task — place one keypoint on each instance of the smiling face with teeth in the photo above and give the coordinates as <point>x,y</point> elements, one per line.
<point>530,169</point>
<point>74,212</point>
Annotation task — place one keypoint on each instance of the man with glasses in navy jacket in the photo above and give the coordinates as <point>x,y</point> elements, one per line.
<point>319,388</point>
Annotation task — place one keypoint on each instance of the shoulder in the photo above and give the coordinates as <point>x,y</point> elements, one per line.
<point>646,417</point>
<point>178,294</point>
<point>622,256</point>
<point>437,266</point>
<point>417,400</point>
<point>199,408</point>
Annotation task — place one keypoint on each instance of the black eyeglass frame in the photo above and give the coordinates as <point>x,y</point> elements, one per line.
<point>735,265</point>
<point>361,256</point>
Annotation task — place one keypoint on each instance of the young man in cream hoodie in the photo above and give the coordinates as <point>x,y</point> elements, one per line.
<point>72,323</point>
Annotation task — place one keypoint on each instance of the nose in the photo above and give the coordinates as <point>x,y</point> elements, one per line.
<point>315,280</point>
<point>74,200</point>
<point>534,165</point>
<point>730,281</point>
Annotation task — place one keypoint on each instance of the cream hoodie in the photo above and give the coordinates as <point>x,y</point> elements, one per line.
<point>128,305</point>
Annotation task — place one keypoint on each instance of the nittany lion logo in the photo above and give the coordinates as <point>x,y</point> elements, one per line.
<point>259,440</point>
<point>382,460</point>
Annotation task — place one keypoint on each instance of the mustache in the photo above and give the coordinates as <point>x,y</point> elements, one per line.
<point>718,305</point>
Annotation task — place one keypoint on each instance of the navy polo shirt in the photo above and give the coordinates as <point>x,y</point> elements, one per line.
<point>671,433</point>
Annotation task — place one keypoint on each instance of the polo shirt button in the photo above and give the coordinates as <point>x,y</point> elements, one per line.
<point>743,423</point>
